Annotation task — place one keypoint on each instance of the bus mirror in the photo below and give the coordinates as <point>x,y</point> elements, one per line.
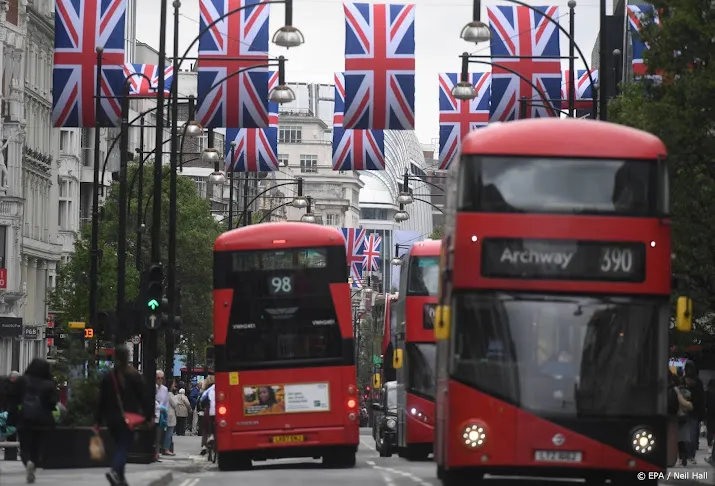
<point>684,314</point>
<point>397,359</point>
<point>442,323</point>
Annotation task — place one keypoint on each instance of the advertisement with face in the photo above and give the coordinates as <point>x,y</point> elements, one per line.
<point>290,398</point>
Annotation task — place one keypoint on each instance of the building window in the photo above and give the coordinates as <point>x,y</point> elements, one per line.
<point>374,213</point>
<point>309,163</point>
<point>332,219</point>
<point>282,160</point>
<point>290,134</point>
<point>201,186</point>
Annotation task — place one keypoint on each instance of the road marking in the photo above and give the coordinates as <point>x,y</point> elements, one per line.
<point>190,482</point>
<point>388,480</point>
<point>369,446</point>
<point>398,472</point>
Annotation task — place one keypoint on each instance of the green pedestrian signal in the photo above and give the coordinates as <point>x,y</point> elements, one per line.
<point>153,304</point>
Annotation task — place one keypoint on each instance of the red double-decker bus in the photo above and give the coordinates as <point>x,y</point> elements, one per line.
<point>554,305</point>
<point>284,347</point>
<point>415,350</point>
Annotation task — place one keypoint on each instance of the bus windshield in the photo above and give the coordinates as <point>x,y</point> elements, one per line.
<point>282,309</point>
<point>563,355</point>
<point>423,277</point>
<point>558,185</point>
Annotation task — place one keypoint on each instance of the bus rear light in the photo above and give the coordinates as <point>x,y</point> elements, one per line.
<point>222,423</point>
<point>352,403</point>
<point>419,415</point>
<point>473,435</point>
<point>351,416</point>
<point>221,397</point>
<point>279,242</point>
<point>352,389</point>
<point>222,410</point>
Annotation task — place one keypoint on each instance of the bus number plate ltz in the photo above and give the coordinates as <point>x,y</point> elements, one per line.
<point>287,439</point>
<point>557,456</point>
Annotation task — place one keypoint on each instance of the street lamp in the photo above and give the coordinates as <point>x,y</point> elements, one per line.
<point>211,156</point>
<point>288,36</point>
<point>396,261</point>
<point>476,31</point>
<point>308,217</point>
<point>405,196</point>
<point>402,215</point>
<point>282,93</point>
<point>193,129</point>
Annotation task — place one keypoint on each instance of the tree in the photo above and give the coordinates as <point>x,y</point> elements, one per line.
<point>196,232</point>
<point>436,233</point>
<point>681,111</point>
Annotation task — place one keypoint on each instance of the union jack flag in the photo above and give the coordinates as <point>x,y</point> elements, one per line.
<point>636,15</point>
<point>240,41</point>
<point>371,253</point>
<point>354,247</point>
<point>379,66</point>
<point>80,27</point>
<point>256,148</point>
<point>518,32</point>
<point>144,79</point>
<point>354,149</point>
<point>459,117</point>
<point>584,90</point>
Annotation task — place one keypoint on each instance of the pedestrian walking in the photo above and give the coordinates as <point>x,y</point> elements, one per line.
<point>697,415</point>
<point>120,402</point>
<point>33,398</point>
<point>162,402</point>
<point>710,420</point>
<point>170,423</point>
<point>183,409</point>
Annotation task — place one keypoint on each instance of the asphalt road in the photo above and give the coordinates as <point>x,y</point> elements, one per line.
<point>371,470</point>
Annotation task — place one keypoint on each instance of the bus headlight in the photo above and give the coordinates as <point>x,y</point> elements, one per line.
<point>643,441</point>
<point>473,436</point>
<point>391,423</point>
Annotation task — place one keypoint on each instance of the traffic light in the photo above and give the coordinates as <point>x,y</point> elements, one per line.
<point>155,288</point>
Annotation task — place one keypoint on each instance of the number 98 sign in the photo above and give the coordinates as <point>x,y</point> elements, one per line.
<point>280,285</point>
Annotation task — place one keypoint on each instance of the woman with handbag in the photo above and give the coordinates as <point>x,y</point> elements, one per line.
<point>120,399</point>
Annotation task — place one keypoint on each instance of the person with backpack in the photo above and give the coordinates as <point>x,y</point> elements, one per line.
<point>120,401</point>
<point>32,400</point>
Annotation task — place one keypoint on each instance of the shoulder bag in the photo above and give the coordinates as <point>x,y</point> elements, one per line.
<point>130,418</point>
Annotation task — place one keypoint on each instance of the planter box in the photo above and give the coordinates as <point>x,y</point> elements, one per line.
<point>68,448</point>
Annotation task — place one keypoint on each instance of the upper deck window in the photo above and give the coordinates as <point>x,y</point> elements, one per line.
<point>559,185</point>
<point>423,277</point>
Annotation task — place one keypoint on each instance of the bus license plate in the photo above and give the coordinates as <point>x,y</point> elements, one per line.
<point>558,456</point>
<point>287,439</point>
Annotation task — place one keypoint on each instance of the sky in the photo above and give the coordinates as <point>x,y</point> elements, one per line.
<point>438,46</point>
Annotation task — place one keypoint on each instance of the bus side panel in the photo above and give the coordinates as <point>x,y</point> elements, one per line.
<point>420,425</point>
<point>223,298</point>
<point>343,307</point>
<point>246,431</point>
<point>414,318</point>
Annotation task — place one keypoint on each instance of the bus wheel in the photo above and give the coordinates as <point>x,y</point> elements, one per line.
<point>382,448</point>
<point>458,478</point>
<point>232,461</point>
<point>416,454</point>
<point>340,459</point>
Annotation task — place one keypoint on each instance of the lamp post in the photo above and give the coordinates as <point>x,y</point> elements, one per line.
<point>396,260</point>
<point>477,32</point>
<point>230,185</point>
<point>401,215</point>
<point>94,243</point>
<point>299,202</point>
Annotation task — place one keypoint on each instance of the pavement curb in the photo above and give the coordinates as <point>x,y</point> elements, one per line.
<point>164,480</point>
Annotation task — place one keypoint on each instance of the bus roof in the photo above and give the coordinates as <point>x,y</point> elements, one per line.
<point>281,235</point>
<point>570,137</point>
<point>426,248</point>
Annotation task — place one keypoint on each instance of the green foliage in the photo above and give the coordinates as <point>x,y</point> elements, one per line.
<point>257,217</point>
<point>681,111</point>
<point>196,233</point>
<point>436,233</point>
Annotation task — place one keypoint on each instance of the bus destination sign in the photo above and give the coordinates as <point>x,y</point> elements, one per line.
<point>563,260</point>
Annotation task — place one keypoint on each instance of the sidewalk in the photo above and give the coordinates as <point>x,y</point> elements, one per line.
<point>12,473</point>
<point>693,475</point>
<point>188,456</point>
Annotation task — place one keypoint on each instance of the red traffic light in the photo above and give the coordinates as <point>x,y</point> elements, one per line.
<point>367,388</point>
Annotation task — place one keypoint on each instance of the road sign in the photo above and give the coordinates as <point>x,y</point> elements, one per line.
<point>76,325</point>
<point>376,360</point>
<point>153,304</point>
<point>152,322</point>
<point>89,333</point>
<point>136,339</point>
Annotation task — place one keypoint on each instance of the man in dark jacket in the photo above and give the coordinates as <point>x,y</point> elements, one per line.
<point>120,392</point>
<point>32,400</point>
<point>697,393</point>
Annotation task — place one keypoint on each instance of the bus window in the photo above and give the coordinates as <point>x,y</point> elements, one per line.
<point>559,185</point>
<point>423,277</point>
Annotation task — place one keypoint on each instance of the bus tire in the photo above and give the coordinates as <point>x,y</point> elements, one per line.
<point>233,461</point>
<point>458,478</point>
<point>344,459</point>
<point>415,454</point>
